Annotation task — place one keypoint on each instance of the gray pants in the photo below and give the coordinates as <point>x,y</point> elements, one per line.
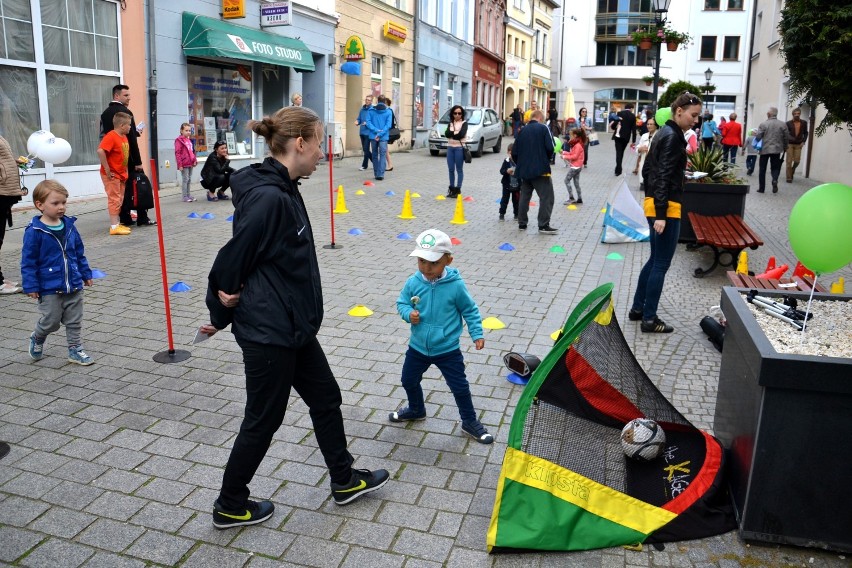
<point>543,186</point>
<point>573,174</point>
<point>185,177</point>
<point>61,308</point>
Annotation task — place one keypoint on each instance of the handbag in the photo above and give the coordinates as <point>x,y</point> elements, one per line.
<point>393,131</point>
<point>593,139</point>
<point>468,157</point>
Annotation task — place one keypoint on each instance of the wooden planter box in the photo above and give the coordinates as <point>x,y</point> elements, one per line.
<point>786,422</point>
<point>710,199</point>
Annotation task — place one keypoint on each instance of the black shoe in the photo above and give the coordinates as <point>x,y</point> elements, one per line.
<point>502,217</point>
<point>761,190</point>
<point>379,178</point>
<point>774,187</point>
<point>147,223</point>
<point>656,325</point>
<point>477,431</point>
<point>254,513</point>
<point>547,230</point>
<point>222,196</point>
<point>522,227</point>
<point>362,481</point>
<point>405,414</point>
<point>634,315</point>
<point>578,202</point>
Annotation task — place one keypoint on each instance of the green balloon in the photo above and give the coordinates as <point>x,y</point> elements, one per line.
<point>663,114</point>
<point>820,228</point>
<point>557,145</point>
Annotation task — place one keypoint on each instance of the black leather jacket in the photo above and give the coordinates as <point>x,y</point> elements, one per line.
<point>663,169</point>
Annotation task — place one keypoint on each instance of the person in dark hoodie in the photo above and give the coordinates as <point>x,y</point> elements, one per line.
<point>379,122</point>
<point>265,283</point>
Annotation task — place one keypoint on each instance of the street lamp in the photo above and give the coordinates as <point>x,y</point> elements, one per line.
<point>661,10</point>
<point>707,76</point>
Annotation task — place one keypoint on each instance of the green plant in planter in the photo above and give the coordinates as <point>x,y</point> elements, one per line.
<point>711,163</point>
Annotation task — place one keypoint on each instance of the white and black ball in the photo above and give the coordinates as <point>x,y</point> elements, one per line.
<point>642,439</point>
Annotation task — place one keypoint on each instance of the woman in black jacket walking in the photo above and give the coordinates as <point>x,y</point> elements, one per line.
<point>663,175</point>
<point>216,173</point>
<point>265,283</point>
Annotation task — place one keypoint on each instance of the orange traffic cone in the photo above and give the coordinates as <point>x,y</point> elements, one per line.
<point>803,271</point>
<point>775,273</point>
<point>770,265</point>
<point>407,213</point>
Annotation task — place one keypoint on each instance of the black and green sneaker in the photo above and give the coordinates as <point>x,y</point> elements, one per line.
<point>362,481</point>
<point>254,512</point>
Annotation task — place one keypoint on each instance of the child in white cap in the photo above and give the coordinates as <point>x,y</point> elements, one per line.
<point>434,301</point>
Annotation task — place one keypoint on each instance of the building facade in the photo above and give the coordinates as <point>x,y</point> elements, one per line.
<point>542,45</point>
<point>519,47</point>
<point>488,49</point>
<point>57,70</point>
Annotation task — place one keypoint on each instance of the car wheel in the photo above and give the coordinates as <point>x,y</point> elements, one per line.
<point>497,146</point>
<point>434,152</point>
<point>480,148</point>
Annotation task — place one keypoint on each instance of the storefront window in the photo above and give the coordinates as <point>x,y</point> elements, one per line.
<point>80,33</point>
<point>220,107</point>
<point>75,103</point>
<point>16,31</point>
<point>18,107</point>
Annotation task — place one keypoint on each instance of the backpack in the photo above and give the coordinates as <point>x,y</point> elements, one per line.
<point>138,192</point>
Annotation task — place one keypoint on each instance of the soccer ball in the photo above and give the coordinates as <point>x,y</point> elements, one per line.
<point>642,439</point>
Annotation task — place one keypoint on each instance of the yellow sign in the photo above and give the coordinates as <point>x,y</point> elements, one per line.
<point>233,9</point>
<point>395,32</point>
<point>353,49</point>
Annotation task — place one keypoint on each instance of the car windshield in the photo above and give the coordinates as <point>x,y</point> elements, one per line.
<point>474,116</point>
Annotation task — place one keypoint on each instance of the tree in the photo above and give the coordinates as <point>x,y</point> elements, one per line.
<point>674,91</point>
<point>816,39</point>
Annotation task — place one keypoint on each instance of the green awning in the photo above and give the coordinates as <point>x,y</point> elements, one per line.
<point>208,37</point>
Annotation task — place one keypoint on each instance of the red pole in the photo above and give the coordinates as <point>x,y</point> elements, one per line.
<point>331,193</point>
<point>156,189</point>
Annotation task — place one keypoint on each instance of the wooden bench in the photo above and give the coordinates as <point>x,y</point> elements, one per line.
<point>796,283</point>
<point>725,234</point>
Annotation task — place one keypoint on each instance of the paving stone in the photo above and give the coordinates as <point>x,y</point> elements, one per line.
<point>20,511</point>
<point>61,522</point>
<point>367,558</point>
<point>116,506</point>
<point>30,485</point>
<point>421,545</point>
<point>56,552</point>
<point>110,535</point>
<point>312,523</point>
<point>205,556</point>
<point>264,541</point>
<point>108,560</point>
<point>411,516</point>
<point>161,517</point>
<point>165,491</point>
<point>309,551</point>
<point>160,547</point>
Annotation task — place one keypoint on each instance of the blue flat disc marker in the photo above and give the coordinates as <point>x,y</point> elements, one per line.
<point>516,379</point>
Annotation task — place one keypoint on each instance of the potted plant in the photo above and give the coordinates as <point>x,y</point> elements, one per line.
<point>674,38</point>
<point>720,192</point>
<point>648,79</point>
<point>661,81</point>
<point>646,37</point>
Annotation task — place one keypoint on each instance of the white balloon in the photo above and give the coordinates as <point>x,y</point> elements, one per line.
<point>35,140</point>
<point>54,150</point>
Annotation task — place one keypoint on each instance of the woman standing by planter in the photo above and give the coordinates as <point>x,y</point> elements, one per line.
<point>456,134</point>
<point>644,146</point>
<point>584,121</point>
<point>663,173</point>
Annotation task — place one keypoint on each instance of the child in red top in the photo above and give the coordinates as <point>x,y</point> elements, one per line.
<point>185,159</point>
<point>574,156</point>
<point>113,152</point>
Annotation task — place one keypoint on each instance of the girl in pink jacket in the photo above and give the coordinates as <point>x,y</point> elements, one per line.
<point>185,159</point>
<point>574,157</point>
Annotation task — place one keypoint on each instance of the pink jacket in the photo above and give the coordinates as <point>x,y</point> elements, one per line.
<point>184,156</point>
<point>574,156</point>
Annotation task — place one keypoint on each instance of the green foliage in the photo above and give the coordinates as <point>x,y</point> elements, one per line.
<point>674,91</point>
<point>816,39</point>
<point>710,162</point>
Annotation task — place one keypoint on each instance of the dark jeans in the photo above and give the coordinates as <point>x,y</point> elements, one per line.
<point>513,193</point>
<point>218,183</point>
<point>774,168</point>
<point>708,142</point>
<point>543,186</point>
<point>365,146</point>
<point>750,161</point>
<point>653,274</point>
<point>270,373</point>
<point>586,154</point>
<point>451,366</point>
<point>728,150</point>
<point>620,146</point>
<point>6,203</point>
<point>455,163</point>
<point>516,127</point>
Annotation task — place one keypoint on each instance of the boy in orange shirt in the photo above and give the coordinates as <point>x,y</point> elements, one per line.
<point>113,153</point>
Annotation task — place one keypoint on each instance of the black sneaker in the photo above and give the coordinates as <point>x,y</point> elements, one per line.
<point>502,217</point>
<point>656,325</point>
<point>405,414</point>
<point>477,431</point>
<point>254,513</point>
<point>634,315</point>
<point>547,230</point>
<point>522,227</point>
<point>578,202</point>
<point>362,481</point>
<point>774,187</point>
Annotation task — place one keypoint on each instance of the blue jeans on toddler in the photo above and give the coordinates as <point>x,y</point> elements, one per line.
<point>751,160</point>
<point>451,366</point>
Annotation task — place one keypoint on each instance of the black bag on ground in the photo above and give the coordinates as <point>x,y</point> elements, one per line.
<point>138,192</point>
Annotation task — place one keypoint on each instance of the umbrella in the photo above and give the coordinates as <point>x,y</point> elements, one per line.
<point>570,114</point>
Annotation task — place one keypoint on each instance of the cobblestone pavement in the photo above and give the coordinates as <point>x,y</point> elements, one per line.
<point>118,464</point>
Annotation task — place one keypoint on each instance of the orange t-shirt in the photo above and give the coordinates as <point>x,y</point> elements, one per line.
<point>117,153</point>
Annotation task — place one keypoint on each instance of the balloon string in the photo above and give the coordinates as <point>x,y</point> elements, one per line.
<point>808,309</point>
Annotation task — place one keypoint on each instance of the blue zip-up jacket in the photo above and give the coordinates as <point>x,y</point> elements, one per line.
<point>443,305</point>
<point>362,120</point>
<point>379,121</point>
<point>709,129</point>
<point>49,266</point>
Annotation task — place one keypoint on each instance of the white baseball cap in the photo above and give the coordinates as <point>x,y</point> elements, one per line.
<point>432,244</point>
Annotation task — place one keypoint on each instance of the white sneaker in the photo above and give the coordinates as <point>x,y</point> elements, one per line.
<point>10,288</point>
<point>362,169</point>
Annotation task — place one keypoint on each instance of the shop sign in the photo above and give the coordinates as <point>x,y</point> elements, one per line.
<point>233,9</point>
<point>540,83</point>
<point>487,70</point>
<point>276,14</point>
<point>354,49</point>
<point>513,71</point>
<point>395,32</point>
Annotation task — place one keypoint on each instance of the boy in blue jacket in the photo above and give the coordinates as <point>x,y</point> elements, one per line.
<point>434,301</point>
<point>54,270</point>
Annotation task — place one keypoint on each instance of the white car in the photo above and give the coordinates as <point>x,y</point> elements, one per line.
<point>484,130</point>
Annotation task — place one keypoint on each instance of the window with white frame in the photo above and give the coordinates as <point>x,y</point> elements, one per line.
<point>396,86</point>
<point>436,97</point>
<point>420,97</point>
<point>451,83</point>
<point>731,48</point>
<point>376,76</point>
